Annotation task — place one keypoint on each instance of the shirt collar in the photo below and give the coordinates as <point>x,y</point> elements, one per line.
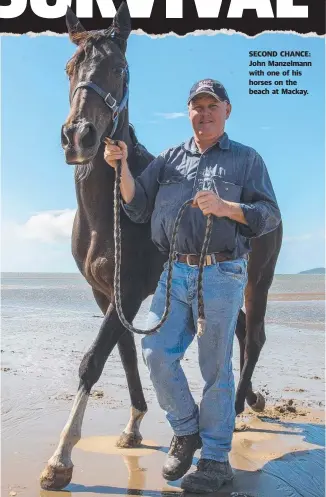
<point>223,143</point>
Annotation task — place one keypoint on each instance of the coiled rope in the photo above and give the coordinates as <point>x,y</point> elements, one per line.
<point>201,322</point>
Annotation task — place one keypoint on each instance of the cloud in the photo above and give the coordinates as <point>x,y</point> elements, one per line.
<point>40,244</point>
<point>171,115</point>
<point>47,226</point>
<point>43,243</point>
<point>25,248</point>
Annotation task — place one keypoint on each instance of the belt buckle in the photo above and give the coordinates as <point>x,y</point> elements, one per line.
<point>187,259</point>
<point>209,260</point>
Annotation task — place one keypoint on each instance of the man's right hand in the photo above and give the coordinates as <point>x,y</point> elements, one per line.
<point>112,152</point>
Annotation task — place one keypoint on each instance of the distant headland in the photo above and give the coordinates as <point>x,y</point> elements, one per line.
<point>316,270</point>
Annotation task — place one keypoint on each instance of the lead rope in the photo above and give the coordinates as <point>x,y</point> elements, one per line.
<point>201,322</point>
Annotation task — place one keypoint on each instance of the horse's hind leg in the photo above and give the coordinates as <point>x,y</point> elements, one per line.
<point>240,332</point>
<point>130,437</point>
<point>254,341</point>
<point>255,400</point>
<point>58,472</point>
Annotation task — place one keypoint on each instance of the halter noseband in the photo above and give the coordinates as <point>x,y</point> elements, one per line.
<point>108,99</point>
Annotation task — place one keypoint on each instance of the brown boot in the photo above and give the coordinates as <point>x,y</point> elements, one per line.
<point>180,456</point>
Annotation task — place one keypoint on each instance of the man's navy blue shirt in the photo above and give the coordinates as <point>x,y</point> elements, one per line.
<point>234,171</point>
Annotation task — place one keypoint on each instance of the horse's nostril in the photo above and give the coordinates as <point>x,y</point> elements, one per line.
<point>87,137</point>
<point>64,137</point>
<point>78,136</point>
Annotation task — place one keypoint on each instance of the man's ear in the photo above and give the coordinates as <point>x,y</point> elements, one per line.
<point>228,110</point>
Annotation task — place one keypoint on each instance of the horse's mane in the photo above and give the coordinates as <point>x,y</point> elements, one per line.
<point>82,37</point>
<point>84,40</point>
<point>133,135</point>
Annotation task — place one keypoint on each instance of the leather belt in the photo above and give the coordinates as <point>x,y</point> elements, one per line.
<point>193,260</point>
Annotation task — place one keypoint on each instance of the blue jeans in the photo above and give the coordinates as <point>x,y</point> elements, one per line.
<point>214,418</point>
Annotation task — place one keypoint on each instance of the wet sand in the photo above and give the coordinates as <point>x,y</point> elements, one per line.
<point>277,454</point>
<point>270,457</point>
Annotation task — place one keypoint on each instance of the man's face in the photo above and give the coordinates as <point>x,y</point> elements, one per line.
<point>208,115</point>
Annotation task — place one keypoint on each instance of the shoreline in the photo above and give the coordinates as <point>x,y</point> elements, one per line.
<point>296,296</point>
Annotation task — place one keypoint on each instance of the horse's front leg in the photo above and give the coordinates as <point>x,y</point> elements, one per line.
<point>58,472</point>
<point>131,436</point>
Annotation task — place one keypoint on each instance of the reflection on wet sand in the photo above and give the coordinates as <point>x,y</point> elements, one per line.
<point>271,458</point>
<point>107,445</point>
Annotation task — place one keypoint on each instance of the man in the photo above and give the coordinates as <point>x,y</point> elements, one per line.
<point>229,181</point>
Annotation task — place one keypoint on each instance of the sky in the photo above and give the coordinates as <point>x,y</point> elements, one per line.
<point>37,186</point>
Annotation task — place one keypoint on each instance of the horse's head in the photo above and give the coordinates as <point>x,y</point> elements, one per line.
<point>98,75</point>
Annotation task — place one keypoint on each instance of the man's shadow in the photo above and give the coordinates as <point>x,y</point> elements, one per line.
<point>310,432</point>
<point>298,473</point>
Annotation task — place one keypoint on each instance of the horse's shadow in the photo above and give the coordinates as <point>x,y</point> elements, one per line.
<point>298,473</point>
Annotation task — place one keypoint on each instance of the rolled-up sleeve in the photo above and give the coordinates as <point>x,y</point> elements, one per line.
<point>140,209</point>
<point>258,202</point>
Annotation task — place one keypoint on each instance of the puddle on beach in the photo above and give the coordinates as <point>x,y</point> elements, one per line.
<point>107,445</point>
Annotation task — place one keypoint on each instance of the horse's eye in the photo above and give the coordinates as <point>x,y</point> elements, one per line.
<point>118,70</point>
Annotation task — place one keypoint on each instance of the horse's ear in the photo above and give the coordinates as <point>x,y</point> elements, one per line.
<point>75,27</point>
<point>121,26</point>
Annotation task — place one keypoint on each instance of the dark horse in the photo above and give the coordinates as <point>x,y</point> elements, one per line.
<point>100,59</point>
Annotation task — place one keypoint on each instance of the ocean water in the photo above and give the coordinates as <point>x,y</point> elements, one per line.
<point>57,294</point>
<point>49,321</point>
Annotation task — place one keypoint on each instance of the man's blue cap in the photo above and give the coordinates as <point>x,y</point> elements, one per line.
<point>211,87</point>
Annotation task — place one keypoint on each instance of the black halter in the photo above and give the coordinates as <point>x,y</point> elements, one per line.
<point>108,99</point>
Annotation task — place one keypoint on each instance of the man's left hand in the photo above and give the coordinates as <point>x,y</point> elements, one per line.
<point>210,203</point>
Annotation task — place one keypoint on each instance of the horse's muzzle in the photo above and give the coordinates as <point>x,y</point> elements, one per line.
<point>80,142</point>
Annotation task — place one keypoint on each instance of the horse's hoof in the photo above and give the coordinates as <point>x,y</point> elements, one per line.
<point>260,403</point>
<point>55,478</point>
<point>129,440</point>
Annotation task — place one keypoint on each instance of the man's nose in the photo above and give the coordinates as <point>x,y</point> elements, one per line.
<point>205,111</point>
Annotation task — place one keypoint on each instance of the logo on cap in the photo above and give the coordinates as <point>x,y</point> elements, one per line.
<point>206,83</point>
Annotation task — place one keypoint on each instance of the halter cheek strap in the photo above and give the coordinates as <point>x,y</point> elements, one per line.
<point>108,99</point>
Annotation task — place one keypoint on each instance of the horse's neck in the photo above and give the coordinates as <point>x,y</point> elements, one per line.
<point>95,191</point>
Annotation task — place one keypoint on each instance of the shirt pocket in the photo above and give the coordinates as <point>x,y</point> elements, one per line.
<point>170,188</point>
<point>226,190</point>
